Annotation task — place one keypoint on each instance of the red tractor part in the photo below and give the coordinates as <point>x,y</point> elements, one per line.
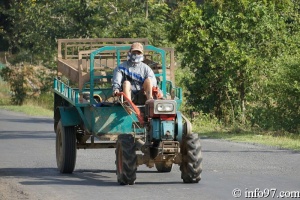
<point>136,109</point>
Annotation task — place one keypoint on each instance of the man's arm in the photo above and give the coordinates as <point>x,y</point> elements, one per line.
<point>151,75</point>
<point>117,79</point>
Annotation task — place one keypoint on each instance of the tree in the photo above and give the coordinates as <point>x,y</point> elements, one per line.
<point>229,48</point>
<point>279,109</point>
<point>32,27</point>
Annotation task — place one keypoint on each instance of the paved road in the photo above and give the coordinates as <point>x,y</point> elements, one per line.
<point>28,169</point>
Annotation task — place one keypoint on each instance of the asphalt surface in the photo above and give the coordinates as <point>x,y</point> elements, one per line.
<point>28,170</point>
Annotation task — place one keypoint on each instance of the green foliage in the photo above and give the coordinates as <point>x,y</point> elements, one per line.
<point>32,27</point>
<point>27,82</point>
<point>4,93</point>
<point>229,48</point>
<point>16,82</point>
<point>280,107</point>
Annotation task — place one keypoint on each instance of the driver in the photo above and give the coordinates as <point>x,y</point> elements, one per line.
<point>135,78</point>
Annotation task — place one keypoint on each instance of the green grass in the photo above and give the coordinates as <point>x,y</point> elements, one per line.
<point>34,107</point>
<point>268,139</point>
<point>210,128</point>
<point>29,110</point>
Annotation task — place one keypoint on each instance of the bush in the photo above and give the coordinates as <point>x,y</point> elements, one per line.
<point>15,78</point>
<point>45,100</point>
<point>27,82</point>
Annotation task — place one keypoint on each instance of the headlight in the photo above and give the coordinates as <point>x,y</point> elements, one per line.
<point>164,107</point>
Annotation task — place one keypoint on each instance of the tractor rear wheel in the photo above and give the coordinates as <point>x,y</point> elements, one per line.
<point>191,166</point>
<point>126,159</point>
<point>65,148</point>
<point>162,167</point>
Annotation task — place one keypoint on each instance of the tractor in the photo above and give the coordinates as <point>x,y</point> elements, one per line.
<point>88,116</point>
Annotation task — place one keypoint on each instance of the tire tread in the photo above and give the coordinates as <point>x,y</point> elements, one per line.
<point>191,166</point>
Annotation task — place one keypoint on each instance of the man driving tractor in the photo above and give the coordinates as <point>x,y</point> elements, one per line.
<point>135,78</point>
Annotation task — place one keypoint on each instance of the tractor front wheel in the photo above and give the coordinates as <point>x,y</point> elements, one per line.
<point>191,166</point>
<point>65,148</point>
<point>126,159</point>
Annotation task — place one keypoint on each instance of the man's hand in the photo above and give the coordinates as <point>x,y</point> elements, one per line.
<point>116,91</point>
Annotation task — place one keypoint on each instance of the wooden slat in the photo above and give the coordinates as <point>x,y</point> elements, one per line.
<point>108,40</point>
<point>68,71</point>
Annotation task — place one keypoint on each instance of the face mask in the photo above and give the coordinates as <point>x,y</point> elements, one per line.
<point>135,58</point>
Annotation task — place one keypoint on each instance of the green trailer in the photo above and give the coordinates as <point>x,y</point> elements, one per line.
<point>88,116</point>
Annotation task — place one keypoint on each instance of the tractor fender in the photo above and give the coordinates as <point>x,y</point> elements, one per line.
<point>69,116</point>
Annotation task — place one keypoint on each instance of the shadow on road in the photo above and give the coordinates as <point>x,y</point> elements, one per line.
<point>29,120</point>
<point>27,135</point>
<point>51,176</point>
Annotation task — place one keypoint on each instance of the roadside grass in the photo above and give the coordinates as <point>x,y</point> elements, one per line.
<point>210,128</point>
<point>28,109</point>
<point>41,106</point>
<point>284,141</point>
